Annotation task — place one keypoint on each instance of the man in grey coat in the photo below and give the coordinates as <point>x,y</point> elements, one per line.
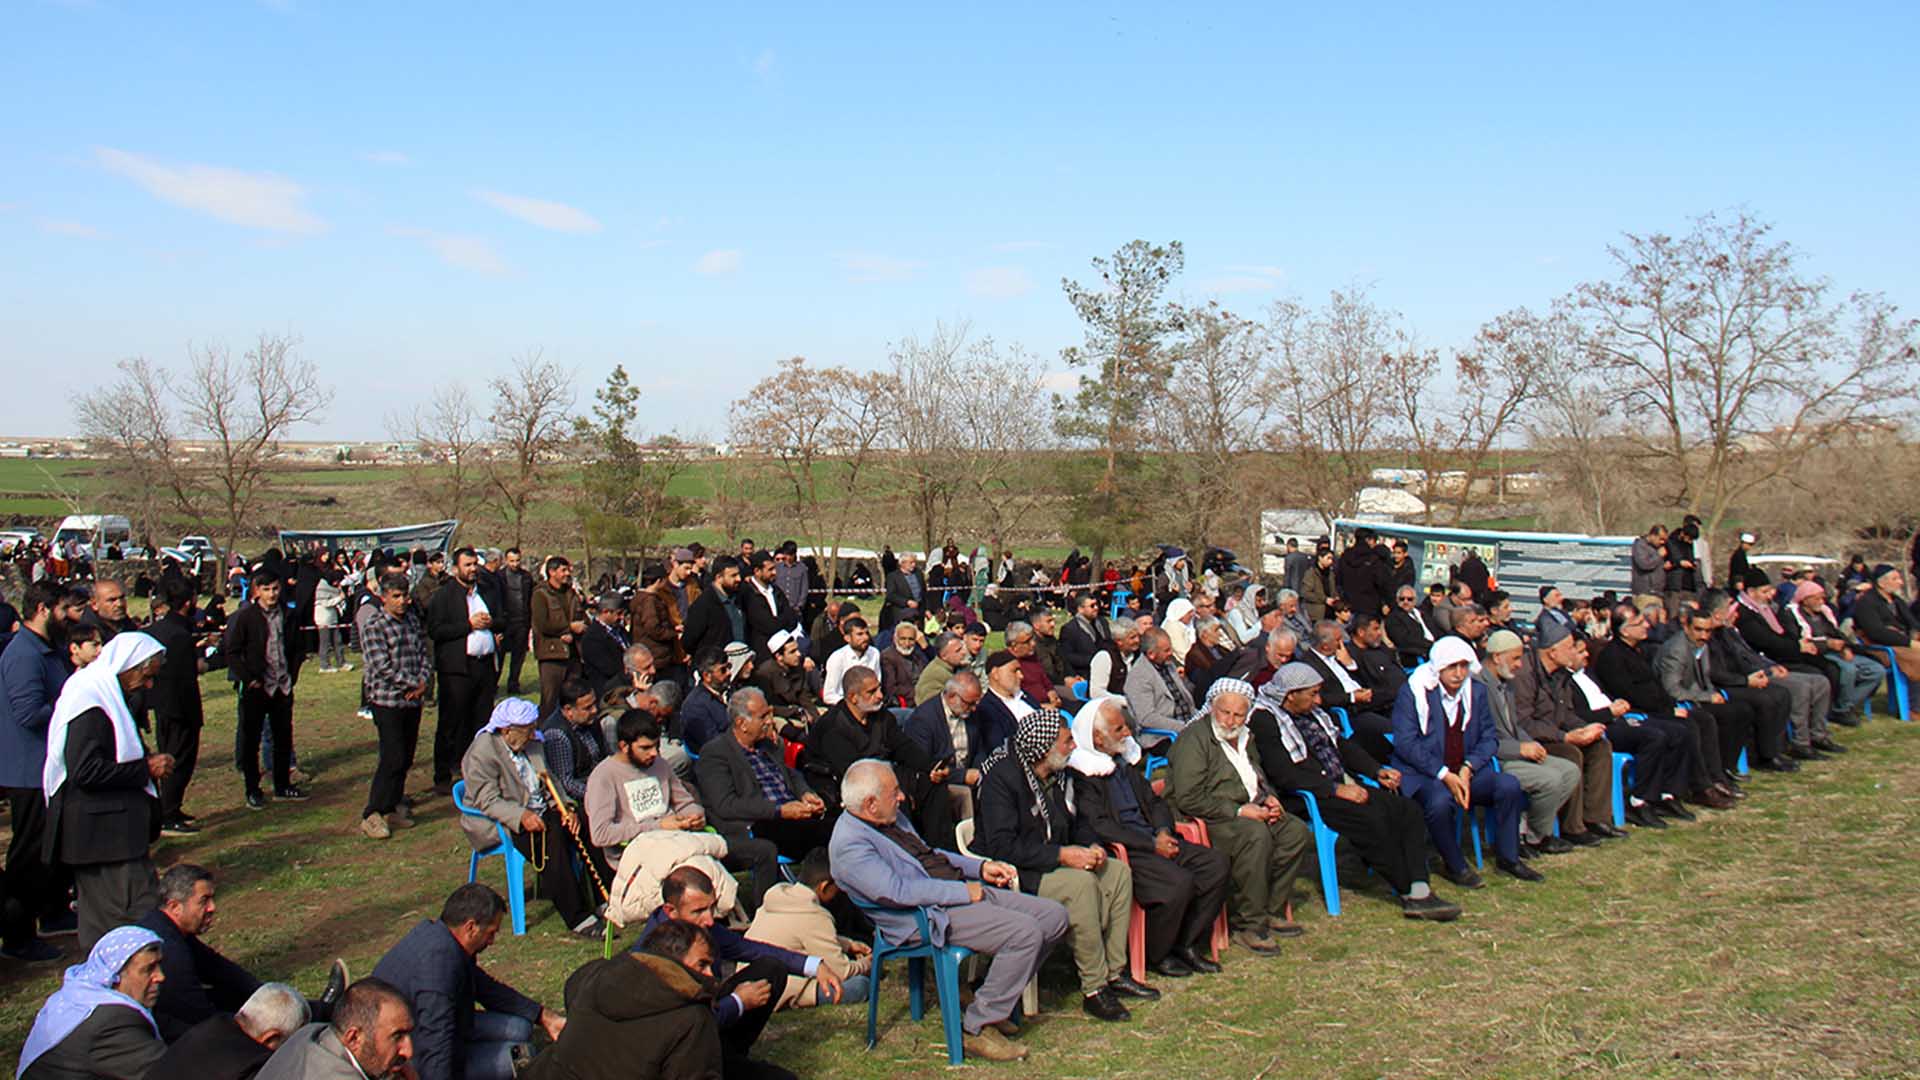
<point>1156,693</point>
<point>1649,573</point>
<point>369,1038</point>
<point>1548,781</point>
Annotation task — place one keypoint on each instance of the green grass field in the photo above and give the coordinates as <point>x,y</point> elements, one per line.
<point>1775,940</point>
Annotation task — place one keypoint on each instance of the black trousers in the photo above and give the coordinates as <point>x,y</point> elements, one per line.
<point>36,885</point>
<point>1734,721</point>
<point>260,710</point>
<point>516,650</point>
<point>1388,832</point>
<point>554,850</point>
<point>181,738</point>
<point>466,700</point>
<point>760,853</point>
<point>1373,732</point>
<point>399,733</point>
<point>1181,895</point>
<point>1660,749</point>
<point>737,1039</point>
<point>933,818</point>
<point>1772,707</point>
<point>1704,762</point>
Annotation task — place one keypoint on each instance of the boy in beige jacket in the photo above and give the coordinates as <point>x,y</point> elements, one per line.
<point>795,917</point>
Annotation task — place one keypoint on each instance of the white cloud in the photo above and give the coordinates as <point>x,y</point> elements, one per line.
<point>256,200</point>
<point>55,227</point>
<point>548,215</point>
<point>386,157</point>
<point>999,282</point>
<point>458,250</point>
<point>867,267</point>
<point>715,263</point>
<point>1022,245</point>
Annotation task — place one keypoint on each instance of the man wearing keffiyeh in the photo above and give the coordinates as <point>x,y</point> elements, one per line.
<point>1025,817</point>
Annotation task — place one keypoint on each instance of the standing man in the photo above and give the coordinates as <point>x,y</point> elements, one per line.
<point>906,592</point>
<point>175,700</point>
<point>465,647</point>
<point>517,589</point>
<point>604,646</point>
<point>263,656</point>
<point>398,665</point>
<point>655,620</point>
<point>767,609</point>
<point>33,669</point>
<point>1648,575</point>
<point>558,621</point>
<point>714,619</point>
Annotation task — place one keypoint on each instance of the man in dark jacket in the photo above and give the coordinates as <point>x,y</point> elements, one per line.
<point>1625,669</point>
<point>761,806</point>
<point>783,677</point>
<point>1740,666</point>
<point>1023,820</point>
<point>200,982</point>
<point>860,726</point>
<point>1363,576</point>
<point>516,587</point>
<point>703,715</point>
<point>436,967</point>
<point>715,618</point>
<point>263,655</point>
<point>766,607</point>
<point>33,668</point>
<point>603,647</point>
<point>224,1047</point>
<point>641,1015</point>
<point>1880,620</point>
<point>1083,635</point>
<point>1379,665</point>
<point>1776,636</point>
<point>1301,750</point>
<point>1341,686</point>
<point>1410,627</point>
<point>1181,886</point>
<point>465,647</point>
<point>175,700</point>
<point>906,593</point>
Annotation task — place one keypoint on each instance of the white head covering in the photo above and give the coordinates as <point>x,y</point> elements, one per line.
<point>1447,652</point>
<point>90,983</point>
<point>513,712</point>
<point>1087,758</point>
<point>97,686</point>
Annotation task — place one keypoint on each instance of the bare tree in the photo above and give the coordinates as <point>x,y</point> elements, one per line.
<point>130,428</point>
<point>530,422</point>
<point>1206,423</point>
<point>817,430</point>
<point>1734,365</point>
<point>447,441</point>
<point>1451,421</point>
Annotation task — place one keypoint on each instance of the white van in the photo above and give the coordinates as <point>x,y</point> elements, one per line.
<point>95,532</point>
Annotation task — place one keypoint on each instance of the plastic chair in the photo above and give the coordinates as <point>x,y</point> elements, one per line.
<point>946,978</point>
<point>1156,762</point>
<point>1346,722</point>
<point>1136,924</point>
<point>1195,832</point>
<point>963,839</point>
<point>1324,838</point>
<point>516,862</point>
<point>1622,766</point>
<point>1120,597</point>
<point>1897,698</point>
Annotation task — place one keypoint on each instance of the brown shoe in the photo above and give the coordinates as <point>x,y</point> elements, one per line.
<point>992,1046</point>
<point>1256,941</point>
<point>1006,1027</point>
<point>1285,927</point>
<point>374,827</point>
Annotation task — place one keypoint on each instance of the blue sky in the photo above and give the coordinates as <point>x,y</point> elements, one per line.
<point>422,191</point>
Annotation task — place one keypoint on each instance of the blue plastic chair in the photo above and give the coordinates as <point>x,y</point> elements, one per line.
<point>1120,597</point>
<point>516,862</point>
<point>946,978</point>
<point>1346,723</point>
<point>1156,762</point>
<point>1622,769</point>
<point>1896,684</point>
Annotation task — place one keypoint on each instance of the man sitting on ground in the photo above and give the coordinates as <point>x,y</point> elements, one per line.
<point>795,917</point>
<point>370,1038</point>
<point>1214,776</point>
<point>879,860</point>
<point>647,1013</point>
<point>97,1025</point>
<point>1301,750</point>
<point>235,1047</point>
<point>1024,820</point>
<point>436,968</point>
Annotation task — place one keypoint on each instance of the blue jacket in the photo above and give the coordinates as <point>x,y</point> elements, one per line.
<point>990,726</point>
<point>875,870</point>
<point>31,673</point>
<point>703,718</point>
<point>444,984</point>
<point>735,948</point>
<point>1426,755</point>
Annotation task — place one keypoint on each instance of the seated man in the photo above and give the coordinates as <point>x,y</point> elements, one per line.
<point>1625,669</point>
<point>753,975</point>
<point>1744,672</point>
<point>97,1025</point>
<point>1859,675</point>
<point>1180,885</point>
<point>762,807</point>
<point>235,1047</point>
<point>1002,705</point>
<point>570,738</point>
<point>944,727</point>
<point>1113,658</point>
<point>1046,645</point>
<point>703,715</point>
<point>1659,744</point>
<point>647,1013</point>
<point>369,1038</point>
<point>1341,687</point>
<point>861,726</point>
<point>509,785</point>
<point>1379,665</point>
<point>1684,664</point>
<point>1544,710</point>
<point>787,681</point>
<point>436,969</point>
<point>949,656</point>
<point>1157,695</point>
<point>795,917</point>
<point>1214,775</point>
<point>1881,619</point>
<point>1301,749</point>
<point>201,983</point>
<point>1550,782</point>
<point>1443,745</point>
<point>1024,821</point>
<point>1035,681</point>
<point>880,861</point>
<point>859,651</point>
<point>634,791</point>
<point>1779,640</point>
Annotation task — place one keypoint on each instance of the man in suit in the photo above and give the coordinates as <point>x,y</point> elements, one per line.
<point>1083,635</point>
<point>1301,750</point>
<point>768,611</point>
<point>763,807</point>
<point>1797,660</point>
<point>1626,668</point>
<point>1443,746</point>
<point>262,647</point>
<point>715,618</point>
<point>516,592</point>
<point>1410,628</point>
<point>1002,706</point>
<point>944,725</point>
<point>223,1047</point>
<point>605,643</point>
<point>905,594</point>
<point>1743,672</point>
<point>460,624</point>
<point>1379,665</point>
<point>1156,693</point>
<point>1341,687</point>
<point>879,860</point>
<point>175,699</point>
<point>1214,776</point>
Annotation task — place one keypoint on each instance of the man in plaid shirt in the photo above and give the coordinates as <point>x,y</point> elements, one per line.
<point>398,665</point>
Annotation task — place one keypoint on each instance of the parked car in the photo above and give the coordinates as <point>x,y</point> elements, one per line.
<point>95,533</point>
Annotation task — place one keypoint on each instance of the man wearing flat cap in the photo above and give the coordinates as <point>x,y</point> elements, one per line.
<point>1546,708</point>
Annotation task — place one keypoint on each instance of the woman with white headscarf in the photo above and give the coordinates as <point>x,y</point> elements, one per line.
<point>99,1025</point>
<point>102,808</point>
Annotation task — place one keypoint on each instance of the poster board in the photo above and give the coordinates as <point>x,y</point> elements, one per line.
<point>1521,562</point>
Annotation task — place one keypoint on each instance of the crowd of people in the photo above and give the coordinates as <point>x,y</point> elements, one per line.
<point>754,778</point>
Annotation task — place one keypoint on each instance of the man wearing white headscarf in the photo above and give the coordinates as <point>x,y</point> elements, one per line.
<point>1179,885</point>
<point>1443,746</point>
<point>103,810</point>
<point>100,1022</point>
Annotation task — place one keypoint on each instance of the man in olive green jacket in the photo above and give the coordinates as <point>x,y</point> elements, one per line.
<point>559,618</point>
<point>1215,777</point>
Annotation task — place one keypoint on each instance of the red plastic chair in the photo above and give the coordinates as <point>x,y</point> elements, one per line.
<point>1136,925</point>
<point>1195,832</point>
